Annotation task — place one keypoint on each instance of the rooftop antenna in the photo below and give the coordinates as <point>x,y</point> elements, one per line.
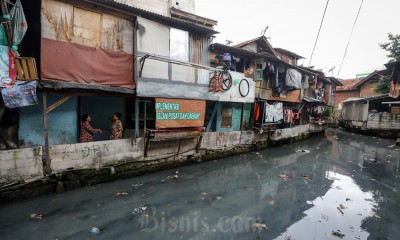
<point>264,30</point>
<point>228,42</point>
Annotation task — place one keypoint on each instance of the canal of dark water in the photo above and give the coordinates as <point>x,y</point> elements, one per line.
<point>333,186</point>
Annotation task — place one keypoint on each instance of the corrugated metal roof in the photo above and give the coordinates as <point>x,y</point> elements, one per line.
<point>178,23</point>
<point>370,98</point>
<point>287,52</point>
<point>265,40</point>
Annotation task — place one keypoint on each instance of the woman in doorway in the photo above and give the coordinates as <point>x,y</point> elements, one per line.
<point>86,134</point>
<point>116,127</point>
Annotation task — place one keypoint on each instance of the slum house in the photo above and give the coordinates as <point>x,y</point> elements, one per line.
<point>175,76</point>
<point>85,51</point>
<point>358,87</point>
<point>319,96</point>
<point>370,114</point>
<point>283,87</point>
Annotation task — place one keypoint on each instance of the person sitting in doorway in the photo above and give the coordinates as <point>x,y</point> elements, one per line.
<point>116,127</point>
<point>86,133</point>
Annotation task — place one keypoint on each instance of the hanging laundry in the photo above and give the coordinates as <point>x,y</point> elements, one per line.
<point>18,22</point>
<point>5,79</point>
<point>256,112</point>
<point>287,116</point>
<point>269,112</point>
<point>306,85</point>
<point>12,67</point>
<point>20,95</point>
<point>296,114</point>
<point>273,112</point>
<point>293,78</point>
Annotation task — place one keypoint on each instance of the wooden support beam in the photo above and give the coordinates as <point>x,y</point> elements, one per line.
<point>146,143</point>
<point>46,159</point>
<point>58,103</point>
<point>137,118</point>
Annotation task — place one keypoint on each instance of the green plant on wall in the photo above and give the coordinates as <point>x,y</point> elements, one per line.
<point>329,112</point>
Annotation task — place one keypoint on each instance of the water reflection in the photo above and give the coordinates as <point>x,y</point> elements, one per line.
<point>223,199</point>
<point>342,210</point>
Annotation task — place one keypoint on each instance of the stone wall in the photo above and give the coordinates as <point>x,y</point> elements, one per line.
<point>20,164</point>
<point>383,121</point>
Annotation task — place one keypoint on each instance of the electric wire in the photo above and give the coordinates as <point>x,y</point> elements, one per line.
<point>320,26</point>
<point>351,33</point>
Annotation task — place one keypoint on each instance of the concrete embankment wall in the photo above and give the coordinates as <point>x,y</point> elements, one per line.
<point>20,164</point>
<point>381,124</point>
<point>89,163</point>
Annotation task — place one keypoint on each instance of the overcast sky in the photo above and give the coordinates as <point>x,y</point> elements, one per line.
<point>293,25</point>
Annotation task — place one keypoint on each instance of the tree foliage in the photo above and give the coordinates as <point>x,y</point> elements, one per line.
<point>383,85</point>
<point>392,47</point>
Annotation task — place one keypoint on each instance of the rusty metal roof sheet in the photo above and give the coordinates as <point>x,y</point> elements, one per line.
<point>173,22</point>
<point>263,38</point>
<point>287,52</point>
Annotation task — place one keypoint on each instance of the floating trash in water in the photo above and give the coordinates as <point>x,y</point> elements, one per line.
<point>340,210</point>
<point>260,226</point>
<point>284,177</point>
<point>177,172</point>
<point>306,177</point>
<point>348,199</point>
<point>140,209</point>
<point>310,202</point>
<point>95,230</point>
<point>121,194</point>
<point>36,216</point>
<point>338,234</point>
<point>341,206</point>
<point>137,185</point>
<point>303,150</point>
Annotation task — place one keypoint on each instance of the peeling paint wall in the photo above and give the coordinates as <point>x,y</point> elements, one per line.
<point>20,164</point>
<point>64,22</point>
<point>62,123</point>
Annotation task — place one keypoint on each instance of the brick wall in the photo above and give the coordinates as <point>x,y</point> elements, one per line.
<point>367,90</point>
<point>341,96</point>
